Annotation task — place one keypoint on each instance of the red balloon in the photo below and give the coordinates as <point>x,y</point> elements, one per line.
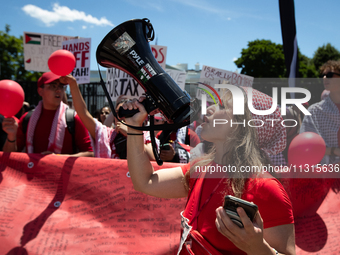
<point>61,62</point>
<point>11,98</point>
<point>306,148</point>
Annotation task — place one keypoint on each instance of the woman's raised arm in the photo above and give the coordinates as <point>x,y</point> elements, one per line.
<point>165,183</point>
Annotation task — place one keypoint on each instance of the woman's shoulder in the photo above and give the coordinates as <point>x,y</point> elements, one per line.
<point>272,200</point>
<point>266,183</point>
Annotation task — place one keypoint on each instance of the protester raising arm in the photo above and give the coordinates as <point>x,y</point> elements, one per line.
<point>165,183</point>
<point>80,105</point>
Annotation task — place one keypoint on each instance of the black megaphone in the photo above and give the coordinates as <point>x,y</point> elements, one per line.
<point>127,48</point>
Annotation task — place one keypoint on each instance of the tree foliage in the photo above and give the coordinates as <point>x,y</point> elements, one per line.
<point>265,59</point>
<point>323,54</point>
<point>261,59</point>
<point>12,58</point>
<point>306,67</point>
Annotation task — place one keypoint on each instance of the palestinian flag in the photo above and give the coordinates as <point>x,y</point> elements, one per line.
<point>33,39</point>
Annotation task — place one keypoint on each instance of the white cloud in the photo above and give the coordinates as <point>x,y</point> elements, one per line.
<point>147,4</point>
<point>202,5</point>
<point>84,27</point>
<point>62,13</point>
<point>234,59</point>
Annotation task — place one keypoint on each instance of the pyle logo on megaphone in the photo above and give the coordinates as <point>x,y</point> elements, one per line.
<point>238,99</point>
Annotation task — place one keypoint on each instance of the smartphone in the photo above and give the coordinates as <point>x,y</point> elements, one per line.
<point>165,147</point>
<point>230,205</point>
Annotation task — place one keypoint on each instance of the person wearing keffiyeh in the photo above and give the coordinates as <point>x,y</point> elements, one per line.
<point>107,142</point>
<point>206,227</point>
<point>47,131</point>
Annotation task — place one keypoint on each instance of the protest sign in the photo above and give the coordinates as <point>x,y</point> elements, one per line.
<point>38,47</point>
<point>160,54</point>
<point>178,76</point>
<point>120,83</point>
<point>211,76</point>
<point>81,49</point>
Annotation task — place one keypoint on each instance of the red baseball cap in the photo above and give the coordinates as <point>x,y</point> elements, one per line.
<point>47,78</point>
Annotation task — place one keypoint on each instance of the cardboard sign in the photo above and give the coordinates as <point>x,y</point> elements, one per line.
<point>178,76</point>
<point>81,49</point>
<point>211,76</point>
<point>160,54</point>
<point>38,47</point>
<point>120,83</point>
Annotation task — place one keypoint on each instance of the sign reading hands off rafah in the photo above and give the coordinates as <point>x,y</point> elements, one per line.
<point>38,47</point>
<point>81,49</point>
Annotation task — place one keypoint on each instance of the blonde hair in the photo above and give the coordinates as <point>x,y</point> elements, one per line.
<point>243,150</point>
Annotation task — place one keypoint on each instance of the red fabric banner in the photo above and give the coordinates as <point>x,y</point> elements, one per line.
<point>62,205</point>
<point>66,205</point>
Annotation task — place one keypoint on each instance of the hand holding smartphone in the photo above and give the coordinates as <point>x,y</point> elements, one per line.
<point>230,205</point>
<point>165,147</point>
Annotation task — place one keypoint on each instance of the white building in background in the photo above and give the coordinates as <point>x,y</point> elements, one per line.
<point>94,75</point>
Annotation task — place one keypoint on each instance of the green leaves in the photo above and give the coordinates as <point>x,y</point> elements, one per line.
<point>265,59</point>
<point>325,53</point>
<point>12,58</point>
<point>262,58</point>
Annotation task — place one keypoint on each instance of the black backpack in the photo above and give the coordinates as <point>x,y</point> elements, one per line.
<point>69,116</point>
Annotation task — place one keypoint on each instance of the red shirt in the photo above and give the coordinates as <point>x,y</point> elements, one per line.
<point>42,132</point>
<point>267,193</point>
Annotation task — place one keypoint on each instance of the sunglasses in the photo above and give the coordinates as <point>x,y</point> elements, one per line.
<point>55,87</point>
<point>329,75</point>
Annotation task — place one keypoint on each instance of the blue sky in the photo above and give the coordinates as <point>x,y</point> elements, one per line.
<point>212,33</point>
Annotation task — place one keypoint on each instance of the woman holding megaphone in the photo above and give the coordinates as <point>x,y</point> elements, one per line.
<point>207,229</point>
<point>107,142</point>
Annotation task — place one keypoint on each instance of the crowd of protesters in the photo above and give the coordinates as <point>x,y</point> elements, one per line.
<point>52,127</point>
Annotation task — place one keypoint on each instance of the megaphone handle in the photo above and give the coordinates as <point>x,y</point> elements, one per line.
<point>122,113</point>
<point>148,104</point>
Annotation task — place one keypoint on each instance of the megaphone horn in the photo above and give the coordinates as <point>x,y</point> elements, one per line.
<point>127,48</point>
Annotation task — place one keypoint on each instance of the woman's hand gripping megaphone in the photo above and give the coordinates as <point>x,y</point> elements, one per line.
<point>147,103</point>
<point>134,112</point>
